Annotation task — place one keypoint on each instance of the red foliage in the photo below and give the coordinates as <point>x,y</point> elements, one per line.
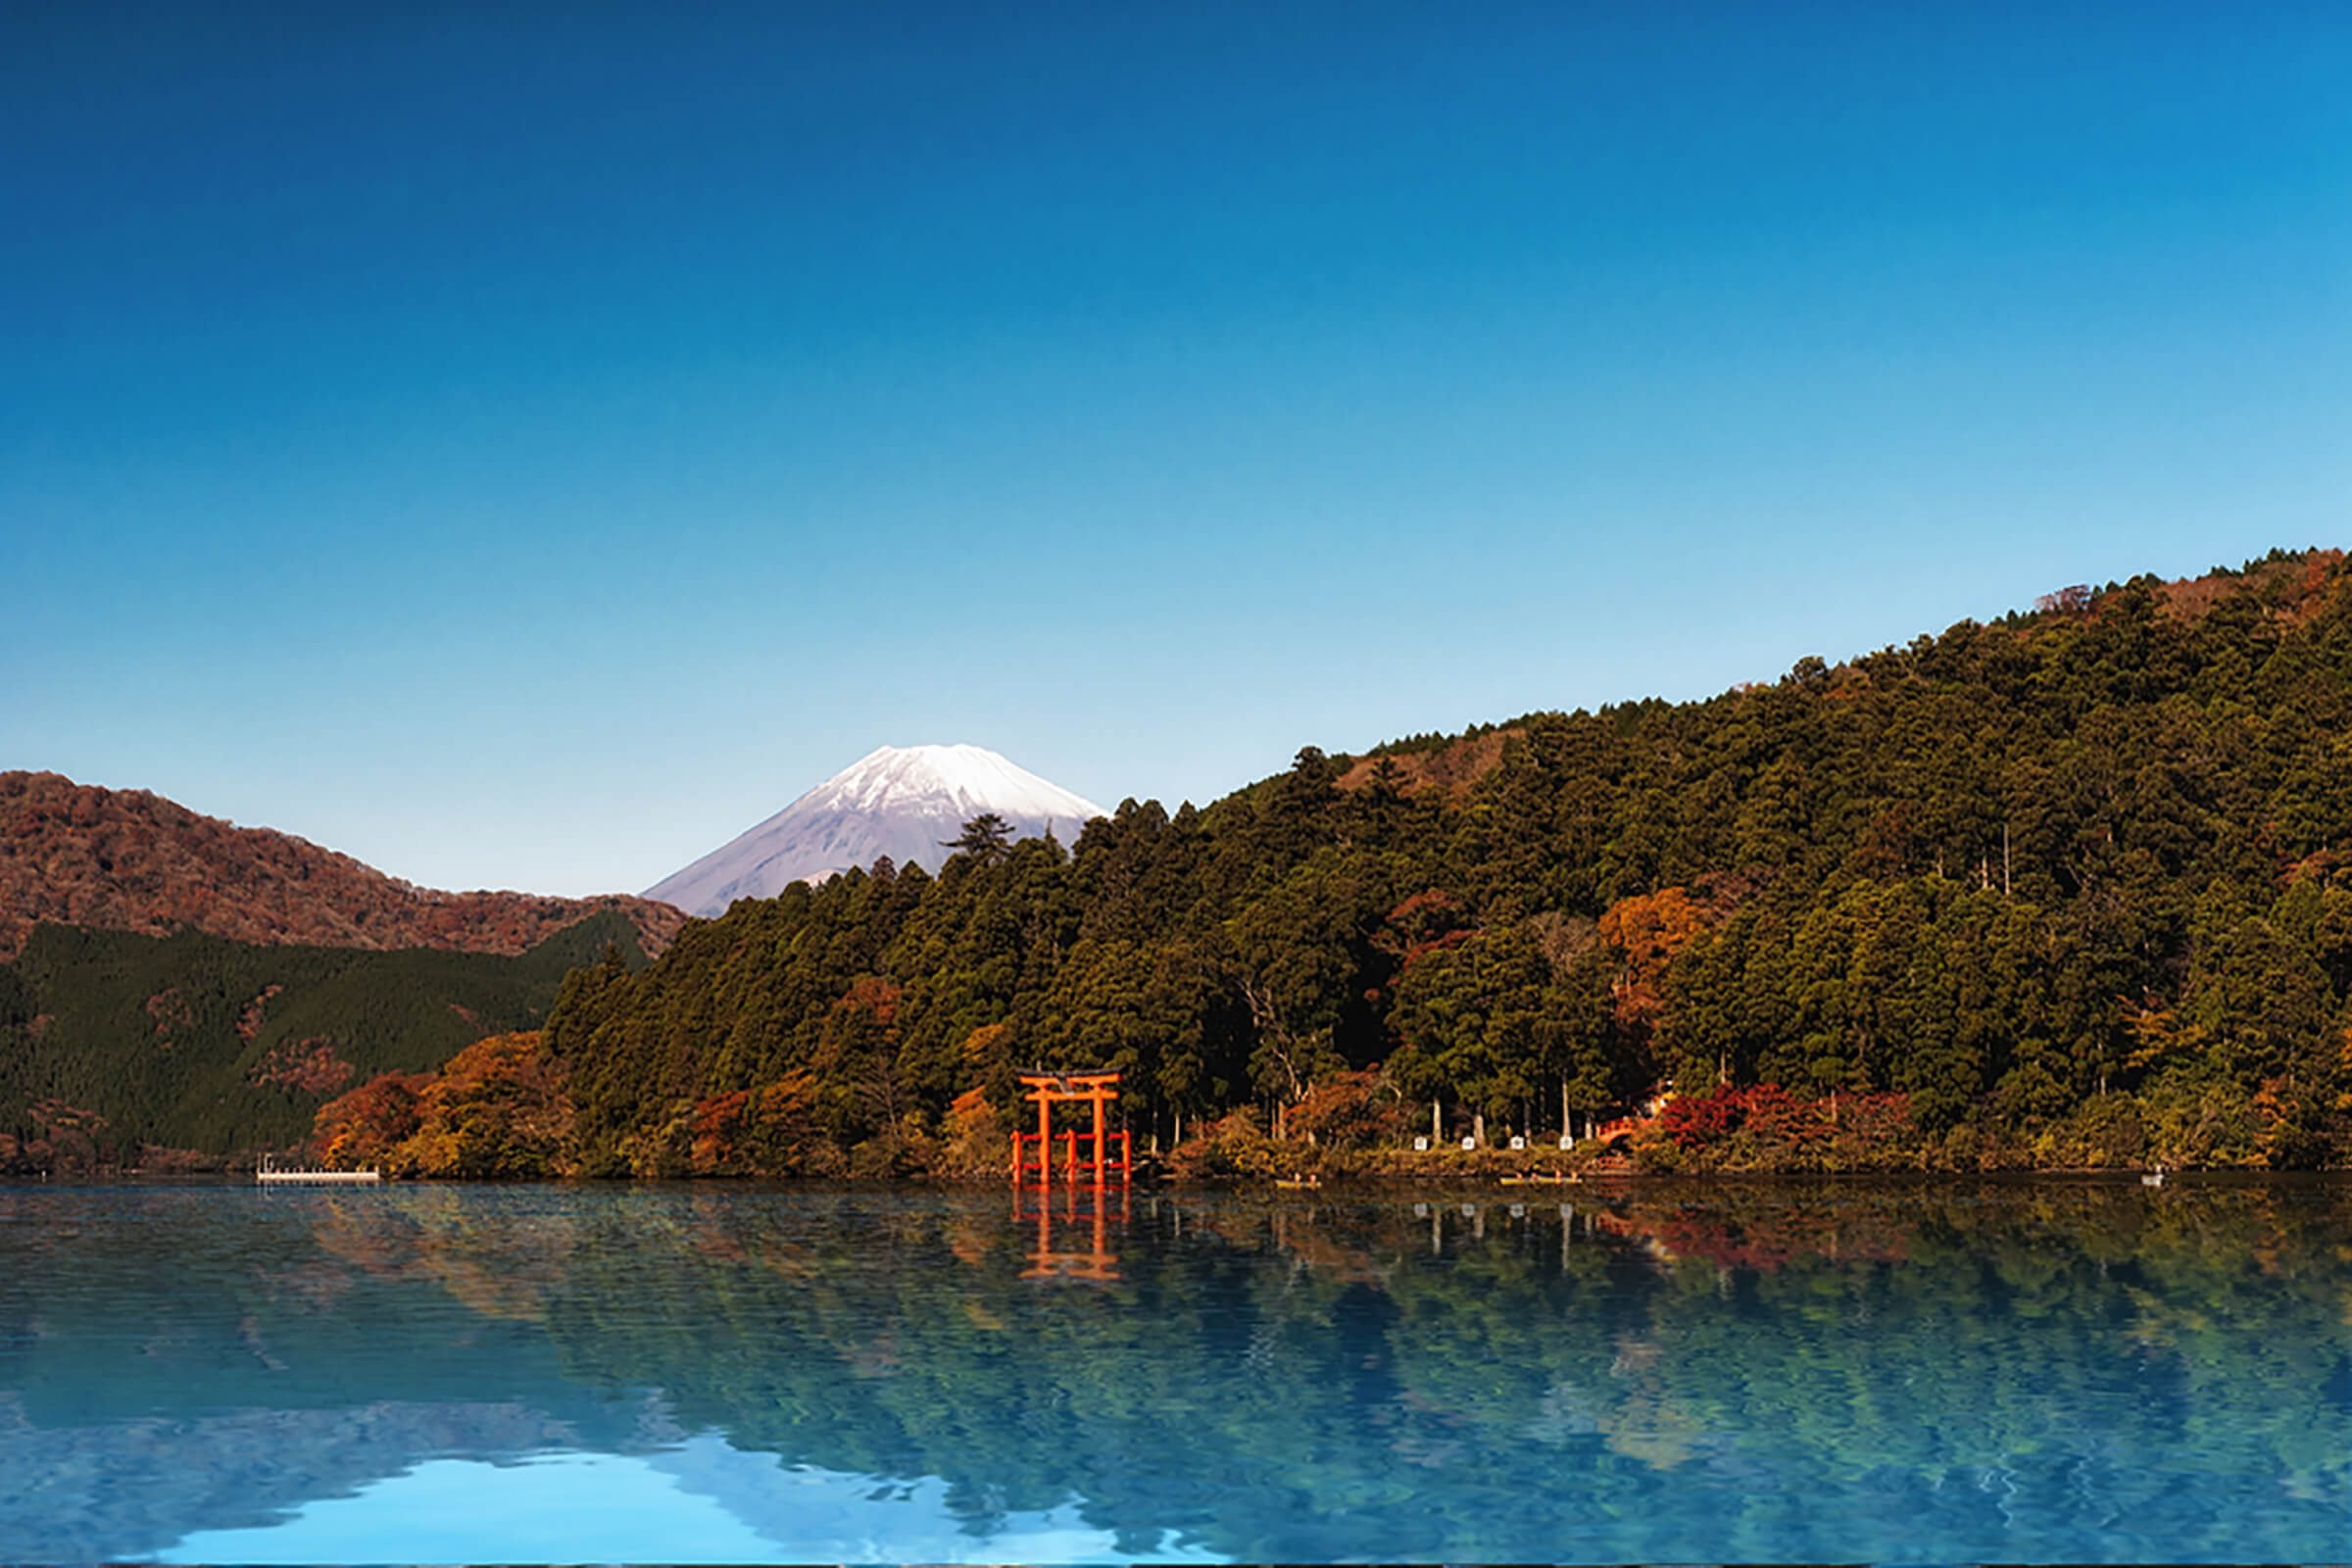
<point>715,1125</point>
<point>170,1010</point>
<point>1694,1121</point>
<point>307,1065</point>
<point>129,861</point>
<point>249,1021</point>
<point>361,1127</point>
<point>1346,1108</point>
<point>1770,1241</point>
<point>874,997</point>
<point>1429,921</point>
<point>1771,1114</point>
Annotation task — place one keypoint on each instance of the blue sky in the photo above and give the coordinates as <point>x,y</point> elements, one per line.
<point>526,449</point>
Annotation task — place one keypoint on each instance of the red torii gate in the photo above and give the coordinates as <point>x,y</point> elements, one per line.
<point>1050,1089</point>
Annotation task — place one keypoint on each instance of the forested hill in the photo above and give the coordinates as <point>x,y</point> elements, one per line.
<point>130,861</point>
<point>2072,887</point>
<point>173,987</point>
<point>124,1050</point>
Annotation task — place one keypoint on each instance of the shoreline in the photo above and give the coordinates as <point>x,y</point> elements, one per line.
<point>1332,1186</point>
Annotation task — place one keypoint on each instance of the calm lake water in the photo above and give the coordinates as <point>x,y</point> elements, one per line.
<point>1911,1373</point>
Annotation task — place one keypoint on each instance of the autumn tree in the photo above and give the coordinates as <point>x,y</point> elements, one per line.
<point>500,1107</point>
<point>362,1126</point>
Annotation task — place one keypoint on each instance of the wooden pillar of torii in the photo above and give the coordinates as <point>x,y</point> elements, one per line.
<point>1033,1153</point>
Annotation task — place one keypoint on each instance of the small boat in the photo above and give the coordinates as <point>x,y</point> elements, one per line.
<point>2152,1178</point>
<point>1297,1183</point>
<point>1542,1179</point>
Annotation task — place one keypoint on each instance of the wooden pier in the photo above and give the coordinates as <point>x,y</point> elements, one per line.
<point>274,1175</point>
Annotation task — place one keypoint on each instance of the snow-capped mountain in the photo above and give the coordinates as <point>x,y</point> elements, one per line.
<point>900,801</point>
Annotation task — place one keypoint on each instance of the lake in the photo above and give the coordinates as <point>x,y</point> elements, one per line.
<point>1757,1371</point>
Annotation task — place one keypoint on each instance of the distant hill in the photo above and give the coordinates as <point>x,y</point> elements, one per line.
<point>111,1041</point>
<point>900,801</point>
<point>129,860</point>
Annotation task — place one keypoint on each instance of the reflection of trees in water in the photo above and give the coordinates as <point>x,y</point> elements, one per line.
<point>1766,1241</point>
<point>1759,1371</point>
<point>501,1263</point>
<point>187,1359</point>
<point>1265,1362</point>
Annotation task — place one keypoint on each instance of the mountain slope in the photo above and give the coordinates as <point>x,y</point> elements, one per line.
<point>900,801</point>
<point>130,861</point>
<point>111,1040</point>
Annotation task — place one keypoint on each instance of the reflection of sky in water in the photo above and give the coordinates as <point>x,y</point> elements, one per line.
<point>2013,1372</point>
<point>702,1503</point>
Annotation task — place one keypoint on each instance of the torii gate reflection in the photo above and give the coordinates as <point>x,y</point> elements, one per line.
<point>1081,1150</point>
<point>1085,1255</point>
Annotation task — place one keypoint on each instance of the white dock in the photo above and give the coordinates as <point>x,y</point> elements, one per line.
<point>270,1175</point>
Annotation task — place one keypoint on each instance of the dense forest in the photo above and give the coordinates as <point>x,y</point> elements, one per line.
<point>2072,887</point>
<point>120,1049</point>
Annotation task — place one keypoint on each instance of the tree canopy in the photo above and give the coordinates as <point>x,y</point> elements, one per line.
<point>2071,885</point>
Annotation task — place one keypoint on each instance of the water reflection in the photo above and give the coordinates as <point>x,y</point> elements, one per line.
<point>2021,1371</point>
<point>703,1501</point>
<point>1078,1249</point>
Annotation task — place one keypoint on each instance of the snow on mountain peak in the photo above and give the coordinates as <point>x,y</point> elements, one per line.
<point>972,775</point>
<point>900,801</point>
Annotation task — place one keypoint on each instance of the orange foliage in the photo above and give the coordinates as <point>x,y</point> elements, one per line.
<point>984,1045</point>
<point>715,1123</point>
<point>777,1103</point>
<point>761,1131</point>
<point>364,1126</point>
<point>1647,930</point>
<point>1447,772</point>
<point>873,996</point>
<point>499,1107</point>
<point>512,1057</point>
<point>1346,1108</point>
<point>974,1139</point>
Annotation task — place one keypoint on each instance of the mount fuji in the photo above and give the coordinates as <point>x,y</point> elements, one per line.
<point>900,801</point>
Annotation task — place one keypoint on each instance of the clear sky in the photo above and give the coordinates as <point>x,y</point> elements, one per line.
<point>523,446</point>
